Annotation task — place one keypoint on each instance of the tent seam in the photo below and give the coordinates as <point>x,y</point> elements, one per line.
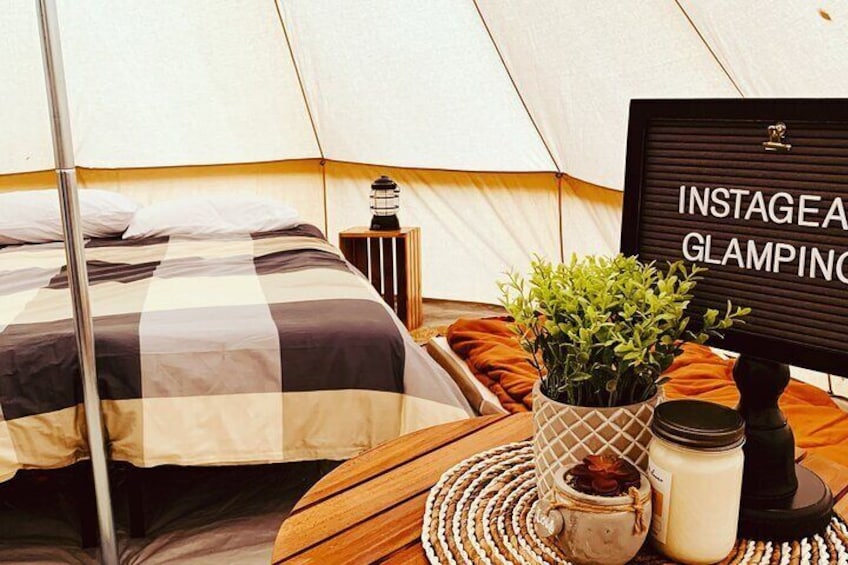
<point>302,159</point>
<point>299,78</point>
<point>323,161</point>
<point>559,218</point>
<point>515,87</point>
<point>323,165</point>
<point>709,48</point>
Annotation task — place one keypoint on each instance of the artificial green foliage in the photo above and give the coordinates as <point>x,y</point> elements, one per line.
<point>601,331</point>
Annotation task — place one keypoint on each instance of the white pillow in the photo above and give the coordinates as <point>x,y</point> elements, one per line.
<point>210,216</point>
<point>33,216</point>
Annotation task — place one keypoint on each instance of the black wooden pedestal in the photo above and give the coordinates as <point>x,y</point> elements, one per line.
<point>780,499</point>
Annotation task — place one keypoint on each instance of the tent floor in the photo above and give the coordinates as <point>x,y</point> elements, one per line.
<point>211,515</point>
<point>446,312</point>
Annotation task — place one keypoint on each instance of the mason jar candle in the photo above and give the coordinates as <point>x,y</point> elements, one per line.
<point>695,468</point>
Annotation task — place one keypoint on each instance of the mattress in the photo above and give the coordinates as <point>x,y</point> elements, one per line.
<point>254,349</point>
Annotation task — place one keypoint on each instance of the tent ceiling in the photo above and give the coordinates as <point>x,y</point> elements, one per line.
<point>25,143</point>
<point>793,48</point>
<point>578,64</point>
<point>410,84</point>
<point>209,82</point>
<point>397,83</point>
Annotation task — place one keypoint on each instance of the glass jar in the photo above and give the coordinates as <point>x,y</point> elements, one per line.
<point>695,466</point>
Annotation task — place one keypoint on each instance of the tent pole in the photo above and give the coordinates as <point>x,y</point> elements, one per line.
<point>77,273</point>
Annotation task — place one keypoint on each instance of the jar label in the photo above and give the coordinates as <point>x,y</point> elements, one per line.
<point>660,498</point>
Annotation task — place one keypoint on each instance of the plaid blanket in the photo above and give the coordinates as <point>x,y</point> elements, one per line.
<point>254,349</point>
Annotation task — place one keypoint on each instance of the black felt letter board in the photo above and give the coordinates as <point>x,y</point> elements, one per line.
<point>771,225</point>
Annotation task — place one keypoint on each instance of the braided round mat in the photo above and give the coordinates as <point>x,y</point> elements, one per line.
<point>481,511</point>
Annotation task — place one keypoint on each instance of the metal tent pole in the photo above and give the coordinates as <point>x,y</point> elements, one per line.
<point>77,274</point>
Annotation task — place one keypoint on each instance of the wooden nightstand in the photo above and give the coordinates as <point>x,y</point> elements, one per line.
<point>392,262</point>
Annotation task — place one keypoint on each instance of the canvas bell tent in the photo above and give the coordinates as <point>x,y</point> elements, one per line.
<point>504,123</point>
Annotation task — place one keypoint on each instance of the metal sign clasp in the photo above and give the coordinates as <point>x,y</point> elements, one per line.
<point>776,134</point>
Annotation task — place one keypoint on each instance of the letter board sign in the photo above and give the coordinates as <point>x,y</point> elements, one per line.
<point>757,192</point>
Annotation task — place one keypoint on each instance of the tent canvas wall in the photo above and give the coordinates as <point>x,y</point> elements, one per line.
<point>503,122</point>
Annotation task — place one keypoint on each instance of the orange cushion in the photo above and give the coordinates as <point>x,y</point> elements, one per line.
<point>493,354</point>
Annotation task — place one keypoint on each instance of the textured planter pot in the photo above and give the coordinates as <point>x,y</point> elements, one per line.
<point>595,530</point>
<point>564,434</point>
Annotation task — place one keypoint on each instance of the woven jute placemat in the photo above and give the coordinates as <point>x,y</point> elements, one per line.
<point>481,512</point>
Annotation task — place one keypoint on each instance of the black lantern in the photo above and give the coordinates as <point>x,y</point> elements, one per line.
<point>385,201</point>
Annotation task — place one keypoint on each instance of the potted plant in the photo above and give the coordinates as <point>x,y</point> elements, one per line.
<point>601,332</point>
<point>600,511</point>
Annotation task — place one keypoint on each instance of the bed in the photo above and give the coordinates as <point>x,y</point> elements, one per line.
<point>234,350</point>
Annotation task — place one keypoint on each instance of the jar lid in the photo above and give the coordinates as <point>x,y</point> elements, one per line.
<point>699,425</point>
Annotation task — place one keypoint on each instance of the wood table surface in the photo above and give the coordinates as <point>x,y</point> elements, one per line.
<point>371,508</point>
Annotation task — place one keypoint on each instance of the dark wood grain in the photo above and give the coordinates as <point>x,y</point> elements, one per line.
<point>414,298</point>
<point>412,554</point>
<point>373,539</point>
<point>361,231</point>
<point>389,294</point>
<point>375,272</point>
<point>403,281</point>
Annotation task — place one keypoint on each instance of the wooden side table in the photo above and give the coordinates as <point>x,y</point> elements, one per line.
<point>371,508</point>
<point>392,262</point>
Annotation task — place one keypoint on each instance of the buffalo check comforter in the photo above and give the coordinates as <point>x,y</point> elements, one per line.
<point>253,349</point>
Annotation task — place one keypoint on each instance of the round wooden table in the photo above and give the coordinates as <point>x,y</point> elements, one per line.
<point>371,508</point>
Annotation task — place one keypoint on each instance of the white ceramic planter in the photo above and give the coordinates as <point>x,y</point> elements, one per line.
<point>565,434</point>
<point>596,530</point>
